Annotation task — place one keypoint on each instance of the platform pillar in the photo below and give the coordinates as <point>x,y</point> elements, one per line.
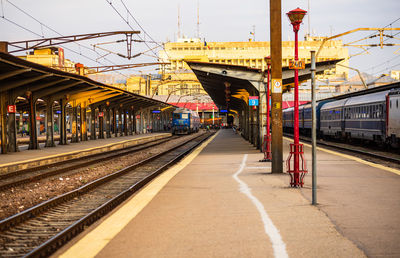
<point>276,86</point>
<point>49,124</point>
<point>84,130</point>
<point>120,117</point>
<point>33,140</point>
<point>93,123</point>
<point>101,122</point>
<point>12,126</point>
<point>63,123</point>
<point>3,122</point>
<point>74,123</point>
<point>108,122</point>
<point>114,122</point>
<point>125,128</point>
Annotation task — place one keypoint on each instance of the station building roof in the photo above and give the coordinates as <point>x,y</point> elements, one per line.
<point>20,77</point>
<point>245,81</point>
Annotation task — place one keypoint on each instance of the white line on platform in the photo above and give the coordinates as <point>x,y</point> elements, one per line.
<point>272,232</point>
<point>257,167</point>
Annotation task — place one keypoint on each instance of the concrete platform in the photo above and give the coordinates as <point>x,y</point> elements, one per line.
<point>32,158</point>
<point>221,202</point>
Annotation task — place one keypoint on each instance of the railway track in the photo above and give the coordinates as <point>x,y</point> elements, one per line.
<point>352,149</point>
<point>59,168</point>
<point>42,229</point>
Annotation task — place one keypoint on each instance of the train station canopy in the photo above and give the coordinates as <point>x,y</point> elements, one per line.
<point>19,77</point>
<point>245,81</point>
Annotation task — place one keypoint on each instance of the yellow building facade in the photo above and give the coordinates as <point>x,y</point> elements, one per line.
<point>52,57</point>
<point>250,54</point>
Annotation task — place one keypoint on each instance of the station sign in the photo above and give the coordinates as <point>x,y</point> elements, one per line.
<point>253,100</point>
<point>11,108</point>
<point>101,114</point>
<point>297,64</point>
<point>223,111</point>
<point>156,111</point>
<point>276,86</point>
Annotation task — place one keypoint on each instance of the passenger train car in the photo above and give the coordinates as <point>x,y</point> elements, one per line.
<point>372,116</point>
<point>185,121</point>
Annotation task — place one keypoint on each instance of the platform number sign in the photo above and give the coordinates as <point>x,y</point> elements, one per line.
<point>299,64</point>
<point>11,109</point>
<point>253,100</point>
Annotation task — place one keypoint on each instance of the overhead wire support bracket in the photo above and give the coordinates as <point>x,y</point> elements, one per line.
<point>47,42</point>
<point>109,68</point>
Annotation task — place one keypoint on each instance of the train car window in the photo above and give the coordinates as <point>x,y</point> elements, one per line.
<point>397,103</point>
<point>185,116</point>
<point>177,116</point>
<point>390,104</point>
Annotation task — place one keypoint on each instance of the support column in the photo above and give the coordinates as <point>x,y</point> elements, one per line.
<point>3,122</point>
<point>108,122</point>
<point>49,124</point>
<point>125,123</point>
<point>131,121</point>
<point>11,127</point>
<point>101,123</point>
<point>120,115</point>
<point>84,134</point>
<point>74,123</point>
<point>33,141</point>
<point>276,85</point>
<point>63,123</point>
<point>115,122</point>
<point>263,113</point>
<point>247,112</point>
<point>134,122</point>
<point>93,123</point>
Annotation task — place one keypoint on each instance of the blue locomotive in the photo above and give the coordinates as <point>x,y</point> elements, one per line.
<point>185,121</point>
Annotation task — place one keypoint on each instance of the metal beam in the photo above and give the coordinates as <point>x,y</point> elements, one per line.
<point>47,42</point>
<point>50,91</point>
<point>23,82</point>
<point>13,73</point>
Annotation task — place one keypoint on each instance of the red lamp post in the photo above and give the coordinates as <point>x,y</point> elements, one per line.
<point>296,149</point>
<point>267,136</point>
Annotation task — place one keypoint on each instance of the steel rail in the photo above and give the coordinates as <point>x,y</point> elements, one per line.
<point>362,152</point>
<point>37,173</point>
<point>55,237</point>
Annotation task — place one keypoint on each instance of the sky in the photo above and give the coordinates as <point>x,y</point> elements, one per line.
<point>220,20</point>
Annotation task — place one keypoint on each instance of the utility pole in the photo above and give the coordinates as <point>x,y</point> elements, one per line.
<point>276,86</point>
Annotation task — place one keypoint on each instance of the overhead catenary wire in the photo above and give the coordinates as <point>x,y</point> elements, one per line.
<point>51,29</point>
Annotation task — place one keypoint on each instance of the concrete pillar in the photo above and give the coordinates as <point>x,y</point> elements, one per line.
<point>108,122</point>
<point>134,122</point>
<point>125,123</point>
<point>101,123</point>
<point>115,127</point>
<point>93,123</point>
<point>49,124</point>
<point>130,121</point>
<point>11,127</point>
<point>120,117</point>
<point>74,123</point>
<point>33,140</point>
<point>63,123</point>
<point>84,134</point>
<point>3,122</point>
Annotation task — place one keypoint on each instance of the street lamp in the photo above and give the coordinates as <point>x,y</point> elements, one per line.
<point>296,150</point>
